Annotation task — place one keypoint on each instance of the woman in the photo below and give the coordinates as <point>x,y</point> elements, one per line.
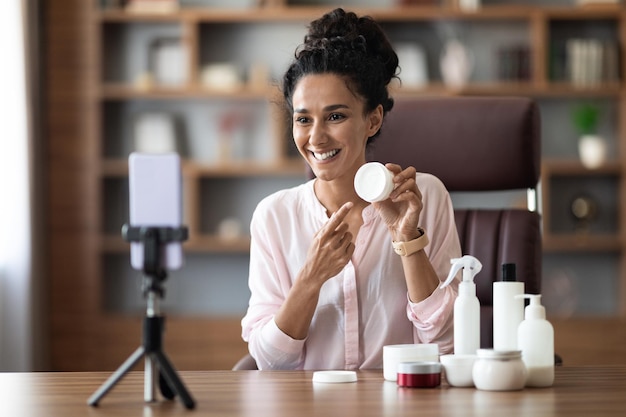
<point>327,289</point>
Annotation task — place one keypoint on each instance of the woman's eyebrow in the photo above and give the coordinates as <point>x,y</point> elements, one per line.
<point>327,108</point>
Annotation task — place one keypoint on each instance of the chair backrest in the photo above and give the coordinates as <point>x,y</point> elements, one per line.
<point>476,144</point>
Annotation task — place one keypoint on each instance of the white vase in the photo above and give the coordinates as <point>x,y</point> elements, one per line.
<point>592,151</point>
<point>469,5</point>
<point>456,64</point>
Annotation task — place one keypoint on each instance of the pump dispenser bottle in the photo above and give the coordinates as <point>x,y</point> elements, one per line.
<point>508,311</point>
<point>466,306</point>
<point>535,339</point>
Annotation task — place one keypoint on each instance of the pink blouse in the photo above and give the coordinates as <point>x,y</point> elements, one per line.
<point>365,306</point>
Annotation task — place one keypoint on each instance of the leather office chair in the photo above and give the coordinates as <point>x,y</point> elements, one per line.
<point>474,144</point>
<point>477,144</point>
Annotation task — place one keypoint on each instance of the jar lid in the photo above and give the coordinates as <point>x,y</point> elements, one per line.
<point>419,368</point>
<point>373,182</point>
<point>499,354</point>
<point>334,377</point>
<point>409,351</point>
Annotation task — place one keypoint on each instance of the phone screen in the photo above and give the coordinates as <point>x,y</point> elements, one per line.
<point>155,184</point>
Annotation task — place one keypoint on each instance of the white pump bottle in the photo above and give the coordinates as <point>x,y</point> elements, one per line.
<point>535,338</point>
<point>466,306</point>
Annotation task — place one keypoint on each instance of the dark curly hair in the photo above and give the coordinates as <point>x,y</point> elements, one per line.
<point>355,48</point>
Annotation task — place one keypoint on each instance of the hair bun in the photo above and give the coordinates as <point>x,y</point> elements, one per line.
<point>342,31</point>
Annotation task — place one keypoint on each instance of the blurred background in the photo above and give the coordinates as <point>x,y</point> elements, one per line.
<point>84,83</point>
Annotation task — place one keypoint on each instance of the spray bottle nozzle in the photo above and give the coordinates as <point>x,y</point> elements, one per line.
<point>471,266</point>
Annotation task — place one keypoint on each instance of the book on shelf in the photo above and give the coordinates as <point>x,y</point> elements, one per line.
<point>513,63</point>
<point>586,62</point>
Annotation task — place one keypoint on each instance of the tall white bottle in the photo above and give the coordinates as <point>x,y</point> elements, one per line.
<point>535,338</point>
<point>466,306</point>
<point>508,311</point>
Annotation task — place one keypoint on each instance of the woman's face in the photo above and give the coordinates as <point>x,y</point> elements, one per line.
<point>329,126</point>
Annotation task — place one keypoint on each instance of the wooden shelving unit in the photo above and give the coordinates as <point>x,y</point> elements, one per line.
<point>84,335</point>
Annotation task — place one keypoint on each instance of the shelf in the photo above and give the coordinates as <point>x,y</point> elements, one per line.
<point>199,244</point>
<point>383,14</point>
<point>115,168</point>
<point>88,203</point>
<point>307,13</point>
<point>580,243</point>
<point>563,167</point>
<point>117,91</point>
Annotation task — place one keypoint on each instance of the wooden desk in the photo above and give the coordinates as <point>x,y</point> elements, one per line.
<point>578,391</point>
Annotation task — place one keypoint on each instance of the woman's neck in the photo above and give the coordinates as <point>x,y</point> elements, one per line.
<point>333,194</point>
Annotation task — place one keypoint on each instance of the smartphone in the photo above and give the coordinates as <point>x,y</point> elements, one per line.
<point>155,183</point>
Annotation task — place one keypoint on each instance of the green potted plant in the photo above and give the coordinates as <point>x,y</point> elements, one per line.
<point>591,146</point>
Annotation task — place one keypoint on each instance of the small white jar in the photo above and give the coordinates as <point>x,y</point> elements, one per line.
<point>499,370</point>
<point>373,182</point>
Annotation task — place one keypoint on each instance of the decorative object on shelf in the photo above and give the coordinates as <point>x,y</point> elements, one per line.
<point>270,3</point>
<point>151,6</point>
<point>592,148</point>
<point>223,76</point>
<point>584,209</point>
<point>258,76</point>
<point>168,62</point>
<point>229,229</point>
<point>456,64</point>
<point>413,64</point>
<point>155,132</point>
<point>469,5</point>
<point>232,134</point>
<point>144,81</point>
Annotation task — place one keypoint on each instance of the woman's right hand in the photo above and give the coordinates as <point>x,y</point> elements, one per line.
<point>331,249</point>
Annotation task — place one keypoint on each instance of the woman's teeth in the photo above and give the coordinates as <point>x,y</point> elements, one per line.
<point>325,155</point>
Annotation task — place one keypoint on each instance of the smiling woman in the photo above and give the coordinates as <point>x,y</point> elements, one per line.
<point>327,289</point>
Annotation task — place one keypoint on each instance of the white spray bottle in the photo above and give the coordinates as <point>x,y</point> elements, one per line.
<point>466,306</point>
<point>535,338</point>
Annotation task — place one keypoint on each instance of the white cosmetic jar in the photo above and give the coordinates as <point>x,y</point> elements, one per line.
<point>458,369</point>
<point>393,355</point>
<point>499,370</point>
<point>373,182</point>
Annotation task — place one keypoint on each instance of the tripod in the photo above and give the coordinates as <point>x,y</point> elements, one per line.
<point>156,362</point>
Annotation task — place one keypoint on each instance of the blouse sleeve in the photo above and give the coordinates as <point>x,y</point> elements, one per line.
<point>269,282</point>
<point>432,317</point>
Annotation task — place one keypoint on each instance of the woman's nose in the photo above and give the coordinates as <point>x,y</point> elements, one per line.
<point>318,134</point>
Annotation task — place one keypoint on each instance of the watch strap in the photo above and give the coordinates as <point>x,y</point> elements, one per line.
<point>412,246</point>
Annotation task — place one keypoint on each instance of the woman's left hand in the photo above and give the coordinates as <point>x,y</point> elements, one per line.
<point>401,211</point>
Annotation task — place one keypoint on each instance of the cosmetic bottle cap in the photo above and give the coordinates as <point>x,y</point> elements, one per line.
<point>508,272</point>
<point>373,182</point>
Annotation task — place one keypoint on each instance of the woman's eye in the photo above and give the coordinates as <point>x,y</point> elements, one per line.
<point>301,120</point>
<point>335,116</point>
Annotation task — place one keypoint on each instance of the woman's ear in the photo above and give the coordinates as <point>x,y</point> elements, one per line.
<point>375,120</point>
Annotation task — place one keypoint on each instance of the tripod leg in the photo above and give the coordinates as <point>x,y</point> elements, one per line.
<point>116,377</point>
<point>150,373</point>
<point>172,379</point>
<point>166,391</point>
